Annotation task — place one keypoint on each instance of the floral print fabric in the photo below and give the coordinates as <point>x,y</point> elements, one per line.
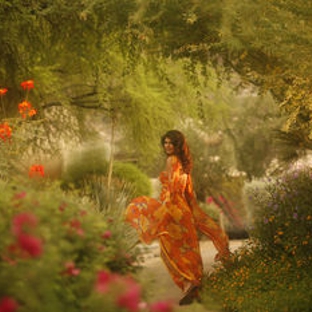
<point>174,220</point>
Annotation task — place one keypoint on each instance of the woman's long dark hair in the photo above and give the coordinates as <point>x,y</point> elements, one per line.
<point>181,149</point>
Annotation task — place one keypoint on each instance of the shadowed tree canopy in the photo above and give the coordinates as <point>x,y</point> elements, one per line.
<point>269,43</point>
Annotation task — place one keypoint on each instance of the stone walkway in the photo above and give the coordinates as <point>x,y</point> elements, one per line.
<point>160,285</point>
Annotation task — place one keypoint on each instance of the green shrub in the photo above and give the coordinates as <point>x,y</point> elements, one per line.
<point>272,272</point>
<point>83,164</point>
<point>132,174</point>
<point>90,165</point>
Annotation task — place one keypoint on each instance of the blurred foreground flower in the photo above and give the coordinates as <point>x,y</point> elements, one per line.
<point>22,221</point>
<point>21,225</point>
<point>107,234</point>
<point>3,91</point>
<point>129,292</point>
<point>5,131</point>
<point>31,244</point>
<point>75,226</point>
<point>130,298</point>
<point>161,306</point>
<point>104,278</point>
<point>8,304</point>
<point>71,269</point>
<point>36,171</point>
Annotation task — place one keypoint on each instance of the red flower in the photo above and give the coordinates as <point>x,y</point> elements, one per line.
<point>104,279</point>
<point>71,269</point>
<point>20,195</point>
<point>130,299</point>
<point>8,304</point>
<point>161,306</point>
<point>83,213</point>
<point>3,91</point>
<point>62,206</point>
<point>5,131</point>
<point>76,225</point>
<point>31,244</point>
<point>36,171</point>
<point>22,219</point>
<point>27,85</point>
<point>107,234</point>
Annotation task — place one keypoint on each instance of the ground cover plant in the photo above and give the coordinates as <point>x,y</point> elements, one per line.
<point>272,271</point>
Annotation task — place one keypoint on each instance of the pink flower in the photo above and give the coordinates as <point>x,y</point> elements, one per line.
<point>83,213</point>
<point>104,279</point>
<point>209,200</point>
<point>71,269</point>
<point>62,206</point>
<point>130,299</point>
<point>20,195</point>
<point>161,306</point>
<point>8,304</point>
<point>107,234</point>
<point>21,220</point>
<point>75,224</point>
<point>32,245</point>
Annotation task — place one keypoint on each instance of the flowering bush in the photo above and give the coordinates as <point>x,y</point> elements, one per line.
<point>272,272</point>
<point>57,255</point>
<point>57,252</point>
<point>284,222</point>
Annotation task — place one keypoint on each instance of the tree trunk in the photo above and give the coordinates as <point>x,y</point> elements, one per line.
<point>111,158</point>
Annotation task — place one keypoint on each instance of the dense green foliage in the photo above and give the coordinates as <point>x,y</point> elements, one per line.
<point>267,44</point>
<point>53,248</point>
<point>90,165</point>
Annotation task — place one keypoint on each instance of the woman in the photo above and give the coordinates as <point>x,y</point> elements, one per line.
<point>175,218</point>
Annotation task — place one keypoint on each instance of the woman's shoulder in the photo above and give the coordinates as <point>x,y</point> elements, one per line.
<point>173,162</point>
<point>172,159</point>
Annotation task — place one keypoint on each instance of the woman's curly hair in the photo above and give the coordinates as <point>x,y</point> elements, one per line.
<point>181,149</point>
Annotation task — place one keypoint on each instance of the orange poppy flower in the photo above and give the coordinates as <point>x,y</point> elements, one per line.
<point>36,171</point>
<point>27,85</point>
<point>3,91</point>
<point>5,131</point>
<point>25,109</point>
<point>32,112</point>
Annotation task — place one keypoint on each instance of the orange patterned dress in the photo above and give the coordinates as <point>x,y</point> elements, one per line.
<point>174,220</point>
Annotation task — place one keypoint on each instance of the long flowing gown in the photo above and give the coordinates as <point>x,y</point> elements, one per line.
<point>174,220</point>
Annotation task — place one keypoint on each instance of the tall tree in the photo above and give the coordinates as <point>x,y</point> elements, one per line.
<point>267,43</point>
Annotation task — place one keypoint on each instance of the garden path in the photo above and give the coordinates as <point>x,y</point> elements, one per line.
<point>160,285</point>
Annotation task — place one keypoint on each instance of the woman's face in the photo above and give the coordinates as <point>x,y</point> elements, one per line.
<point>168,147</point>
